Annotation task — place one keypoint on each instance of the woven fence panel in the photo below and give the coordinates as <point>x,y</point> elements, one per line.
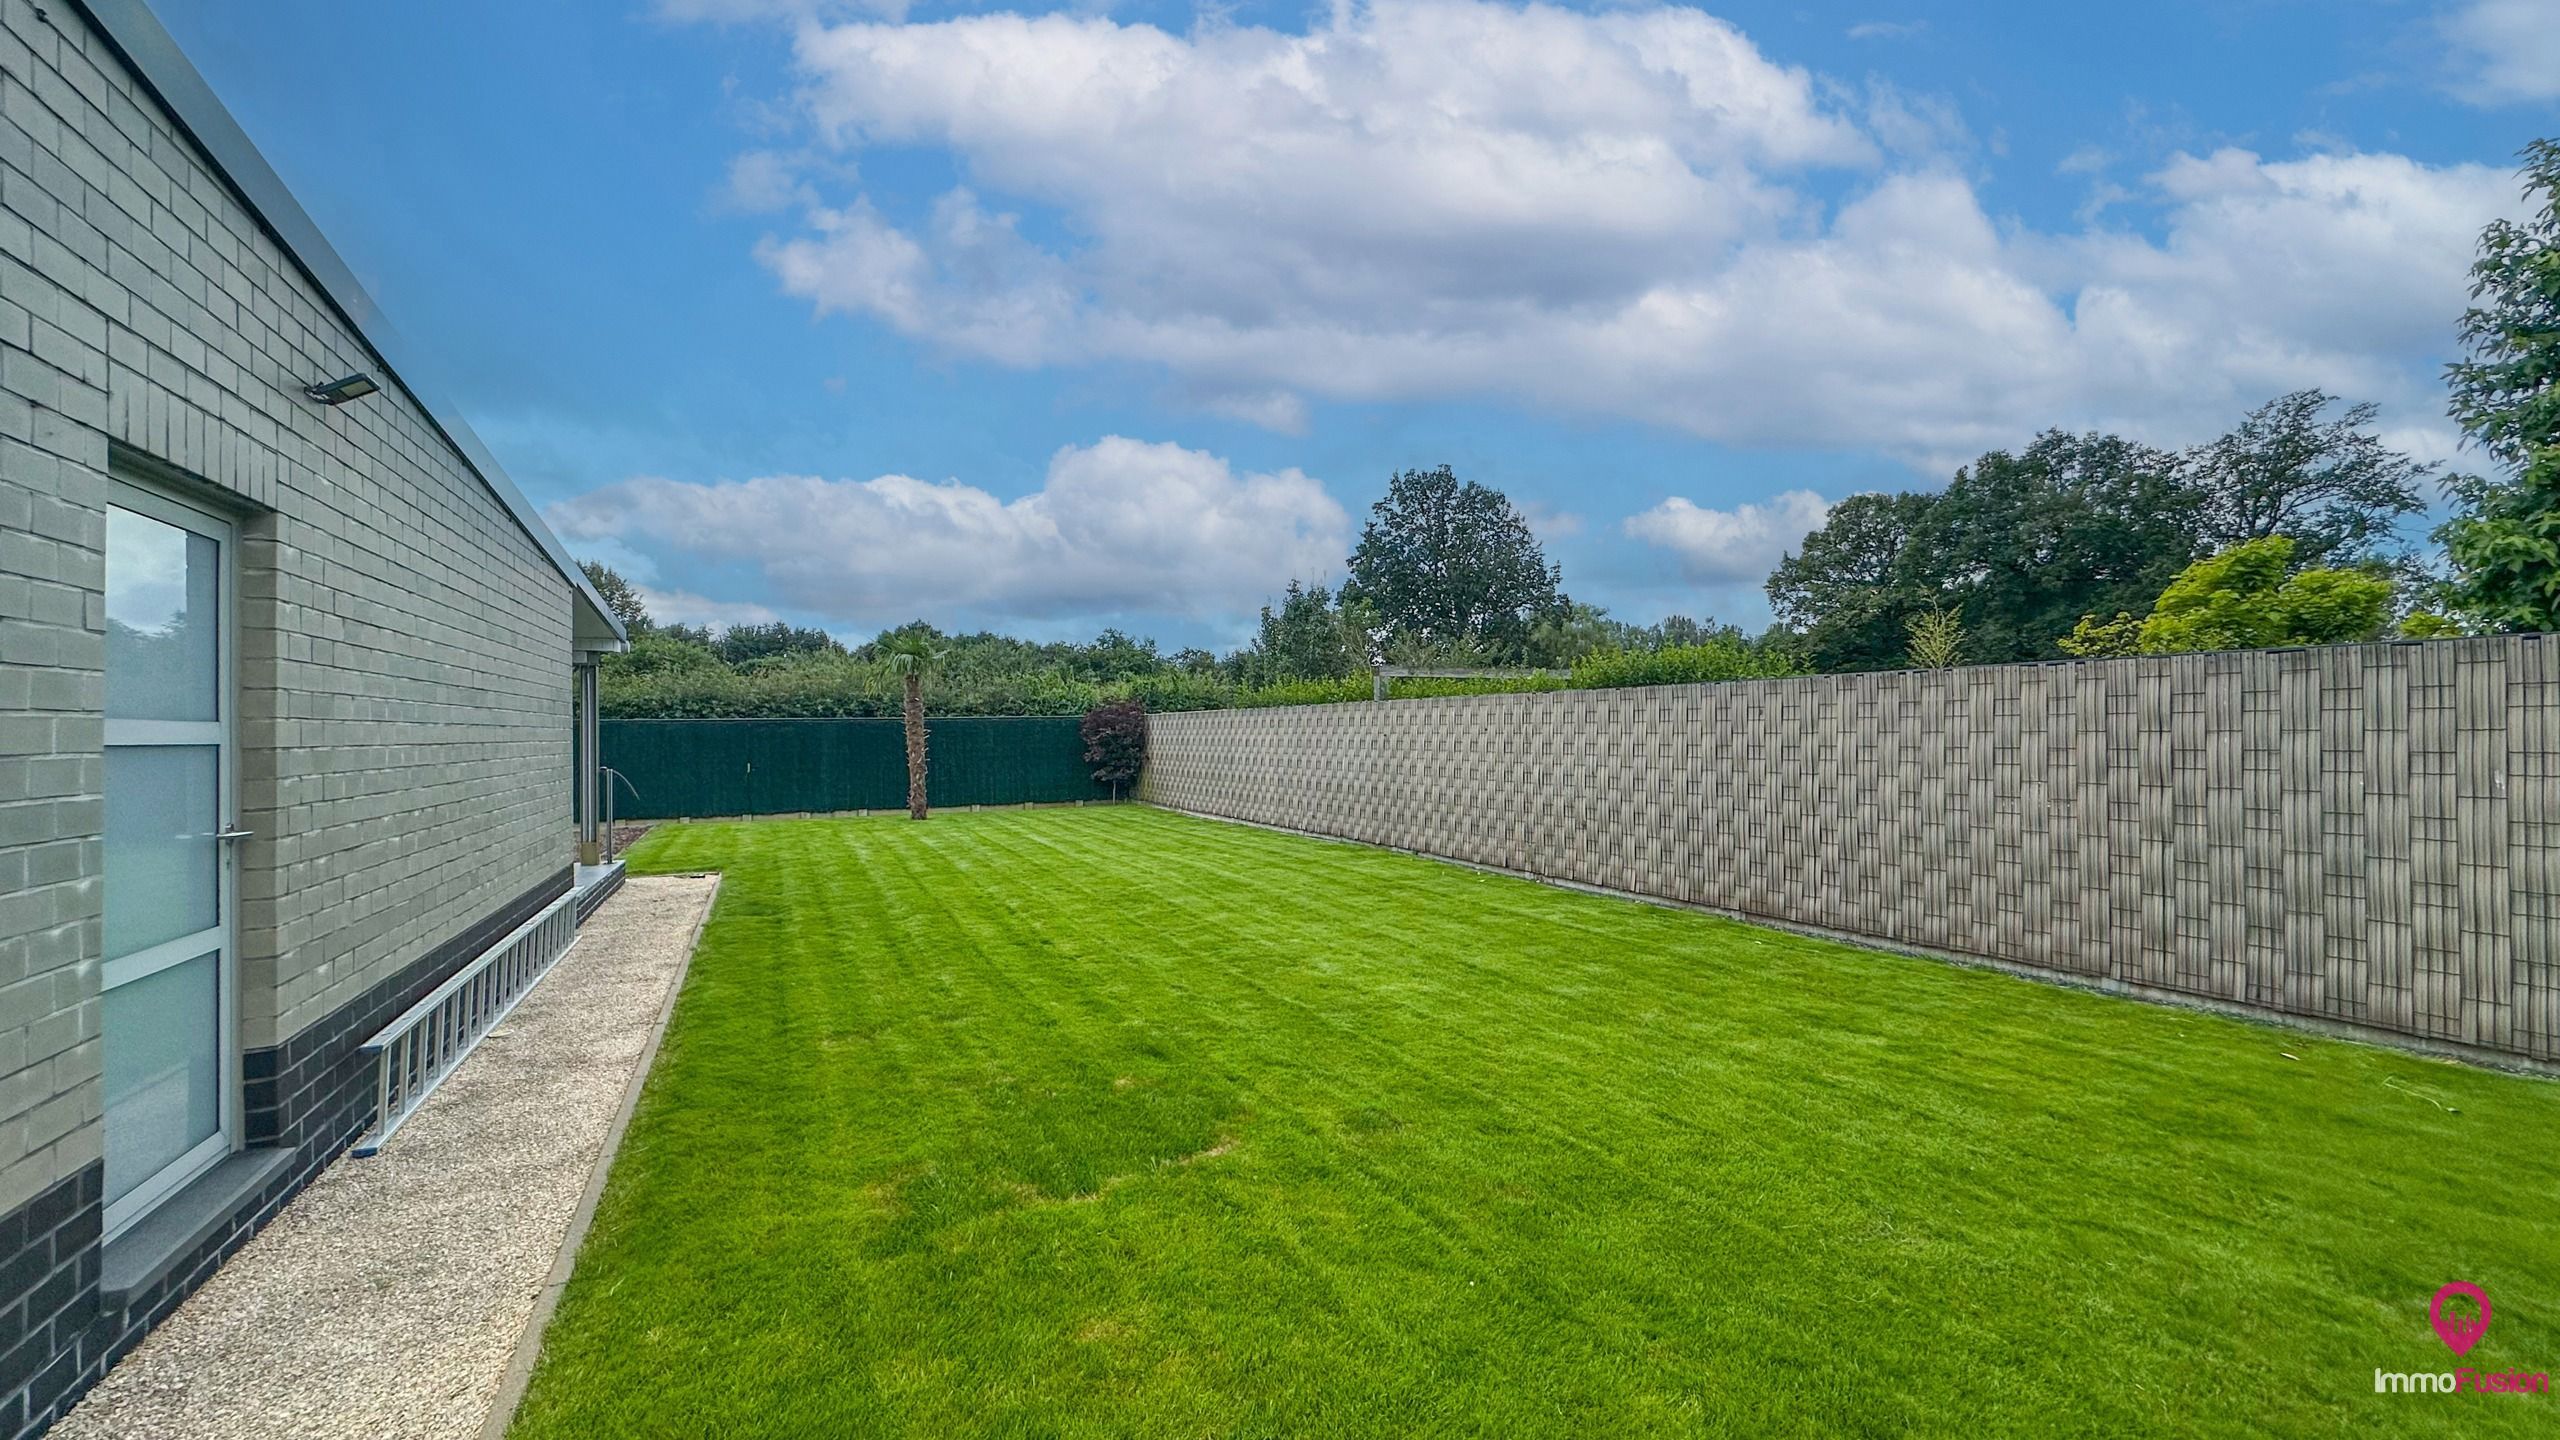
<point>2367,834</point>
<point>782,767</point>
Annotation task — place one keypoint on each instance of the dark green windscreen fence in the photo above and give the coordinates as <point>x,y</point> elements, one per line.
<point>774,767</point>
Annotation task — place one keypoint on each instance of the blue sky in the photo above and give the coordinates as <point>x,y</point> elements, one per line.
<point>1046,320</point>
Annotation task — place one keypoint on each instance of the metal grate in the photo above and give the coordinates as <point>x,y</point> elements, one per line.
<point>414,1053</point>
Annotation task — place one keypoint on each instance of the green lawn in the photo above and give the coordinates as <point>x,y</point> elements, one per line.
<point>1112,1122</point>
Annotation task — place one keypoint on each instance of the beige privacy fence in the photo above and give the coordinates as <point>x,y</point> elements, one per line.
<point>2366,834</point>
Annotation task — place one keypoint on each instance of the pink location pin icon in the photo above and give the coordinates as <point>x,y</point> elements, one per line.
<point>2459,1335</point>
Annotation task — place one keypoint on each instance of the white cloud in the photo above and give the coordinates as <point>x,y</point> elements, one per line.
<point>2334,270</point>
<point>1917,127</point>
<point>1271,409</point>
<point>1887,29</point>
<point>683,607</point>
<point>1550,522</point>
<point>762,181</point>
<point>2508,50</point>
<point>1610,213</point>
<point>1737,546</point>
<point>1430,166</point>
<point>1120,526</point>
<point>972,285</point>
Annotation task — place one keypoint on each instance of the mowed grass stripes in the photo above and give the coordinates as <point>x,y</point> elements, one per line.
<point>1112,1122</point>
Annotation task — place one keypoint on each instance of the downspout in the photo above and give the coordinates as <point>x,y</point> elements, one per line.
<point>590,766</point>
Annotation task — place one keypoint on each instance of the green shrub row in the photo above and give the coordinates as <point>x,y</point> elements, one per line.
<point>658,682</point>
<point>1682,665</point>
<point>1362,687</point>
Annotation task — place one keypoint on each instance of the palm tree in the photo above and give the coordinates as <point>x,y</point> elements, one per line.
<point>911,657</point>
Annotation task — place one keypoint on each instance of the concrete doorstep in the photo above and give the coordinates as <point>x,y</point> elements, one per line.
<point>402,1295</point>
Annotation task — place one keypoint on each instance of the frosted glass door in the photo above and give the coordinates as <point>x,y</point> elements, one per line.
<point>167,1002</point>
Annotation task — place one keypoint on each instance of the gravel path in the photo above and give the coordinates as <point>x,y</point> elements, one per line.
<point>387,1299</point>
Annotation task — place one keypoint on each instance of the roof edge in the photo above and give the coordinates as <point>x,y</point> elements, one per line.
<point>152,54</point>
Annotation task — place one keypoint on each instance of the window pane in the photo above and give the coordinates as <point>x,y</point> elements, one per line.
<point>163,1071</point>
<point>162,860</point>
<point>163,620</point>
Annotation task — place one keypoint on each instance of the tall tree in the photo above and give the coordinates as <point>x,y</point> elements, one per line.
<point>744,644</point>
<point>1115,654</point>
<point>1677,630</point>
<point>1565,635</point>
<point>2023,544</point>
<point>1307,638</point>
<point>1447,565</point>
<point>2332,486</point>
<point>1853,586</point>
<point>2026,544</point>
<point>2504,540</point>
<point>910,655</point>
<point>619,596</point>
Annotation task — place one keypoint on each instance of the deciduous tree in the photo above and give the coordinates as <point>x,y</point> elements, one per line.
<point>1308,638</point>
<point>2025,544</point>
<point>745,644</point>
<point>619,596</point>
<point>2251,596</point>
<point>2022,543</point>
<point>2504,542</point>
<point>1115,742</point>
<point>2330,485</point>
<point>1853,586</point>
<point>1446,564</point>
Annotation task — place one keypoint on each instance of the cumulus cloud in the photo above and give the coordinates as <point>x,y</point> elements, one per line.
<point>2506,50</point>
<point>1548,521</point>
<point>683,607</point>
<point>1608,213</point>
<point>1727,547</point>
<point>2335,270</point>
<point>761,181</point>
<point>1279,410</point>
<point>1120,527</point>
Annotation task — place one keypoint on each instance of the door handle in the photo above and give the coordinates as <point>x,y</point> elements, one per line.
<point>233,834</point>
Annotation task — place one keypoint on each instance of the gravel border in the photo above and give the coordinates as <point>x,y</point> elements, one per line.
<point>519,1373</point>
<point>392,1297</point>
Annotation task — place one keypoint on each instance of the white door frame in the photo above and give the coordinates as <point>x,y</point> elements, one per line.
<point>222,732</point>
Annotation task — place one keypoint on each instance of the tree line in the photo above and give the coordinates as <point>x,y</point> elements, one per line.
<point>1446,574</point>
<point>2289,529</point>
<point>2067,546</point>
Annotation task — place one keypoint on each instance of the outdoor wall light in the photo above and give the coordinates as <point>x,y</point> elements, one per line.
<point>342,389</point>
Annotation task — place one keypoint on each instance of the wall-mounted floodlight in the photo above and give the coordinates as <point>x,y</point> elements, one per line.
<point>342,389</point>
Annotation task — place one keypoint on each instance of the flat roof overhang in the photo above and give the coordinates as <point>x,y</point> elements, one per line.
<point>154,57</point>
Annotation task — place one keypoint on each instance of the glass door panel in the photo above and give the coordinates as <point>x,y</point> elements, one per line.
<point>164,1070</point>
<point>164,620</point>
<point>164,868</point>
<point>167,1008</point>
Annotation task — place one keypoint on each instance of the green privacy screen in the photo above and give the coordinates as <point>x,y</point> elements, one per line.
<point>775,767</point>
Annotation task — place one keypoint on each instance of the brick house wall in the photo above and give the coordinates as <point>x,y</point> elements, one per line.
<point>404,651</point>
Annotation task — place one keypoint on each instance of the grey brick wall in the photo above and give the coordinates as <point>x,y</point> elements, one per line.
<point>404,645</point>
<point>2365,834</point>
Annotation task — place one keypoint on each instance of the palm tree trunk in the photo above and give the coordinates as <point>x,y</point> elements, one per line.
<point>915,747</point>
